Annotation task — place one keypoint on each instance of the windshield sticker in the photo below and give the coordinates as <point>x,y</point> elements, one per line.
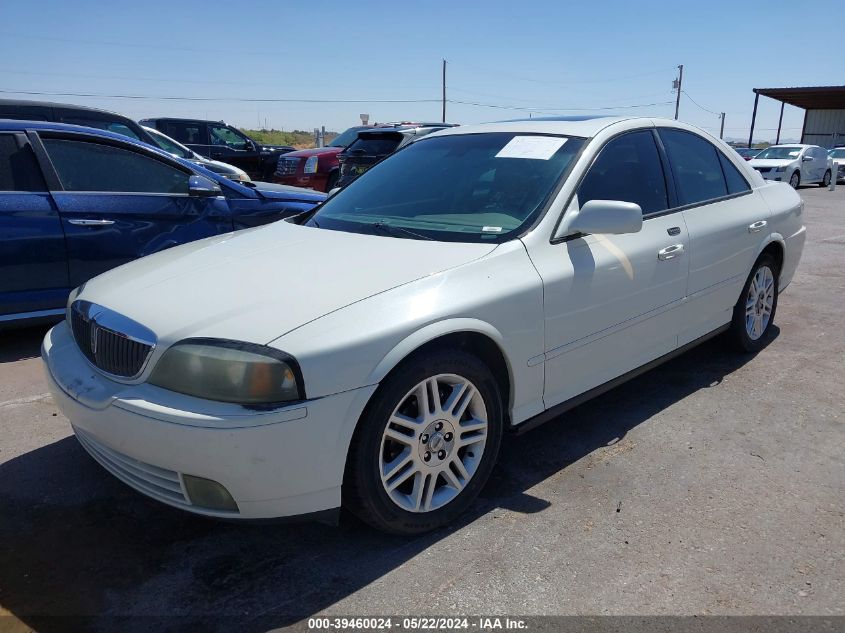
<point>534,147</point>
<point>491,229</point>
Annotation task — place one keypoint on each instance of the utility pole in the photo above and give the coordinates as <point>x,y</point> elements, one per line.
<point>679,82</point>
<point>444,91</point>
<point>722,131</point>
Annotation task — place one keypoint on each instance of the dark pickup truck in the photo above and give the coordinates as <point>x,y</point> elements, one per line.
<point>218,141</point>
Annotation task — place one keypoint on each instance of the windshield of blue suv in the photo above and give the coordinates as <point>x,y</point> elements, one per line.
<point>465,188</point>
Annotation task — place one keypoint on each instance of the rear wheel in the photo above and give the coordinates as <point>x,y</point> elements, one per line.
<point>426,444</point>
<point>755,310</point>
<point>795,180</point>
<point>826,180</point>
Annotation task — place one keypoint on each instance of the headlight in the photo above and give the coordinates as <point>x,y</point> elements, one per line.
<point>311,165</point>
<point>229,371</point>
<point>239,177</point>
<point>779,169</point>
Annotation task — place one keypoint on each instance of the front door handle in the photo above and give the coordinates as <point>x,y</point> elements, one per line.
<point>670,252</point>
<point>92,222</point>
<point>757,226</point>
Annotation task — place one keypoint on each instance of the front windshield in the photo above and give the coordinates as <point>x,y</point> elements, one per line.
<point>779,152</point>
<point>839,152</point>
<point>467,188</point>
<point>344,139</point>
<point>169,145</point>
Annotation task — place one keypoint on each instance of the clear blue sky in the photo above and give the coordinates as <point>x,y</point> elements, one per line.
<point>547,56</point>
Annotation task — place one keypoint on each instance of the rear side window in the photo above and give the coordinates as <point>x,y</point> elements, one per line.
<point>84,166</point>
<point>627,169</point>
<point>19,169</point>
<point>375,145</point>
<point>187,133</point>
<point>102,124</point>
<point>695,165</point>
<point>736,183</point>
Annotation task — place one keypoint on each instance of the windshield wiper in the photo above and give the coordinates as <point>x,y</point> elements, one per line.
<point>393,230</point>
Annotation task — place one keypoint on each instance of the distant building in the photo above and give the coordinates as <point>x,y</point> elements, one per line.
<point>824,112</point>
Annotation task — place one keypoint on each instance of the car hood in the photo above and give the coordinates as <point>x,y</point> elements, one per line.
<point>771,162</point>
<point>316,151</point>
<point>259,284</point>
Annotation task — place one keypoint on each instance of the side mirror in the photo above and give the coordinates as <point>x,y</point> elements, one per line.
<point>610,217</point>
<point>806,158</point>
<point>203,187</point>
<point>333,191</point>
<point>250,146</point>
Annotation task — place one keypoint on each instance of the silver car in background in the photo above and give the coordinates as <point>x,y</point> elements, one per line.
<point>796,163</point>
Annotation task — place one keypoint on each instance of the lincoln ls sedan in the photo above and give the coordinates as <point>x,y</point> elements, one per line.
<point>373,353</point>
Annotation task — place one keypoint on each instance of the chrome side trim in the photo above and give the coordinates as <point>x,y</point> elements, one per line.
<point>31,315</point>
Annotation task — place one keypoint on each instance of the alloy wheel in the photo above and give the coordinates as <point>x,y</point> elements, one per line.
<point>433,443</point>
<point>759,302</point>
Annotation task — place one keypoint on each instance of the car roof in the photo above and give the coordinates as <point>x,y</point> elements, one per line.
<point>190,120</point>
<point>7,125</point>
<point>51,104</point>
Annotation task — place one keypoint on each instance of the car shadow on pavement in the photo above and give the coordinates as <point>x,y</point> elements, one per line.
<point>21,343</point>
<point>80,550</point>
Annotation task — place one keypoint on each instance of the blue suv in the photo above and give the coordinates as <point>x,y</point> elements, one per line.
<point>77,201</point>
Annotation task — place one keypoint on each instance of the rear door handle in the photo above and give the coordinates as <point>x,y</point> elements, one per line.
<point>757,226</point>
<point>670,252</point>
<point>92,222</point>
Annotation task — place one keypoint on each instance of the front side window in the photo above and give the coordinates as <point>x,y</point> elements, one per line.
<point>85,166</point>
<point>19,169</point>
<point>628,168</point>
<point>221,135</point>
<point>695,165</point>
<point>467,188</point>
<point>170,146</point>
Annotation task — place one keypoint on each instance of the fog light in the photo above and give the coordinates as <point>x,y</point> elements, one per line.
<point>209,494</point>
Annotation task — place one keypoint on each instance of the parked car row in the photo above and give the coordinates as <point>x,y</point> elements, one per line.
<point>348,155</point>
<point>837,154</point>
<point>481,280</point>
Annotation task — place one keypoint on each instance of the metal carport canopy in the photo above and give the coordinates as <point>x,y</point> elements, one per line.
<point>809,98</point>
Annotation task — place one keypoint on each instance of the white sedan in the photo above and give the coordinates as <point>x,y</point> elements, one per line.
<point>796,164</point>
<point>374,353</point>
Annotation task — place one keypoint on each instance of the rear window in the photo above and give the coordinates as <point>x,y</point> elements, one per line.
<point>101,124</point>
<point>19,169</point>
<point>375,145</point>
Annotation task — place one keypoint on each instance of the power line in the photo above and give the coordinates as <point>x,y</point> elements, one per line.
<point>274,100</point>
<point>699,105</point>
<point>238,99</point>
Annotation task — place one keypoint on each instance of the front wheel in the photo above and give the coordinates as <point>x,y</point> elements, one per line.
<point>795,180</point>
<point>754,312</point>
<point>826,180</point>
<point>426,444</point>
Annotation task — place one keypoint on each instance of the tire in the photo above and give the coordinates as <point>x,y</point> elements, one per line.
<point>826,180</point>
<point>795,180</point>
<point>331,181</point>
<point>421,465</point>
<point>754,311</point>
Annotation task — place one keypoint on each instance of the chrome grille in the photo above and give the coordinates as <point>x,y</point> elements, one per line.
<point>287,166</point>
<point>113,343</point>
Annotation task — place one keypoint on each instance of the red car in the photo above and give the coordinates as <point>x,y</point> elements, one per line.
<point>316,168</point>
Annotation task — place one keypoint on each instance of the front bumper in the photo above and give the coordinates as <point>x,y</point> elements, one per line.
<point>279,463</point>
